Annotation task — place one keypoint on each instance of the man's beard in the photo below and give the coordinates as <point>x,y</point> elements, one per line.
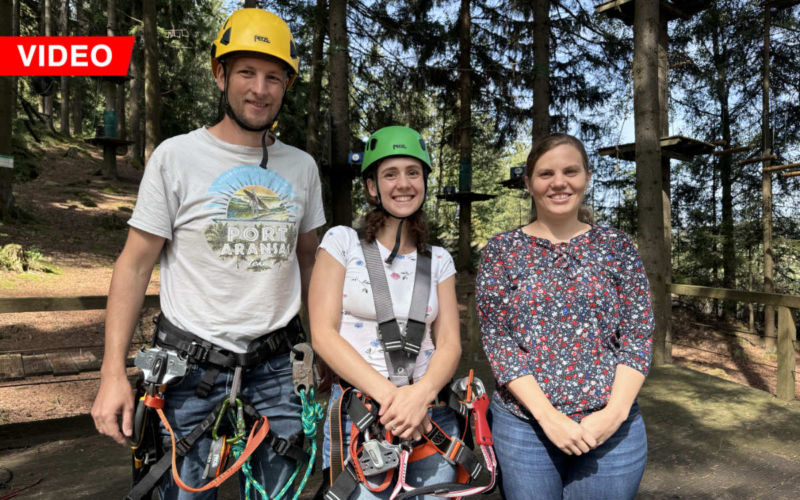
<point>237,113</point>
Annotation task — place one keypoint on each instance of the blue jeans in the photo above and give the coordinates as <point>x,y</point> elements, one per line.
<point>431,470</point>
<point>269,388</point>
<point>531,467</point>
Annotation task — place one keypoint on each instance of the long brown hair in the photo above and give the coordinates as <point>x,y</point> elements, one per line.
<point>547,143</point>
<point>375,219</point>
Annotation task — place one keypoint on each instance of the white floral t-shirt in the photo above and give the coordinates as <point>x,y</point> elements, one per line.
<point>358,324</point>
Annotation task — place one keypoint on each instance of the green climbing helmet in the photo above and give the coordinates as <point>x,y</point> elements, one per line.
<point>395,141</point>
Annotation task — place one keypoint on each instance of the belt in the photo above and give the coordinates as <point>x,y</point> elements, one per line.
<point>199,350</point>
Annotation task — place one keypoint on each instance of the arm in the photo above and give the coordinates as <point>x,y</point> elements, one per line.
<point>125,297</point>
<point>324,310</point>
<point>409,406</point>
<point>306,253</point>
<point>635,340</point>
<point>510,363</point>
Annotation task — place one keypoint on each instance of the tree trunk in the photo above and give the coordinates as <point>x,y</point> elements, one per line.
<point>725,174</point>
<point>135,127</point>
<point>666,168</point>
<point>15,32</point>
<point>250,4</point>
<point>315,81</point>
<point>766,193</point>
<point>649,190</point>
<point>122,130</point>
<point>110,87</point>
<point>77,106</point>
<point>341,171</point>
<point>7,208</point>
<point>77,82</point>
<point>464,263</point>
<point>47,19</point>
<point>540,112</point>
<point>65,79</point>
<point>152,96</point>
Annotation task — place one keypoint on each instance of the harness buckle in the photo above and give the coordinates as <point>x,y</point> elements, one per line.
<point>281,446</point>
<point>198,352</point>
<point>181,447</point>
<point>453,450</point>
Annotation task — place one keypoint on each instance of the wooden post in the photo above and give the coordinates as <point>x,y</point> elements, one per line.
<point>473,328</point>
<point>109,161</point>
<point>787,334</point>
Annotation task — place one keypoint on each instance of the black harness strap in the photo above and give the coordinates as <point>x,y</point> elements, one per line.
<point>345,484</point>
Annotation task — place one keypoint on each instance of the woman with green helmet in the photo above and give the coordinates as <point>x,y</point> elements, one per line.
<point>366,287</point>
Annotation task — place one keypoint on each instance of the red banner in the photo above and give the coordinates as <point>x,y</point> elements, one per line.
<point>65,55</point>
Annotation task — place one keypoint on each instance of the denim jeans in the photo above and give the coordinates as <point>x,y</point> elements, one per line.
<point>269,388</point>
<point>531,467</point>
<point>431,470</point>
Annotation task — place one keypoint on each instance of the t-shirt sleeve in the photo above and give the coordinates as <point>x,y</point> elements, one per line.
<point>446,266</point>
<point>337,242</point>
<point>314,215</point>
<point>156,203</point>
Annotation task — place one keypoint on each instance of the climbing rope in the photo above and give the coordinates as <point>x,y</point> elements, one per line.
<point>312,415</point>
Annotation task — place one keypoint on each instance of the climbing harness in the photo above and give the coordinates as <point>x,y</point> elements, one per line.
<point>374,450</point>
<point>167,362</point>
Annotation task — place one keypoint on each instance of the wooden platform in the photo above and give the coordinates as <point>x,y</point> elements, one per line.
<point>781,4</point>
<point>515,183</point>
<point>707,438</point>
<point>676,147</point>
<point>20,366</point>
<point>670,10</point>
<point>470,197</point>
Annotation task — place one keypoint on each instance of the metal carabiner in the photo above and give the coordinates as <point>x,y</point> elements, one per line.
<point>240,425</point>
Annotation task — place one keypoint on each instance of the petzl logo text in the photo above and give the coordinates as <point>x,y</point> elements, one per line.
<point>66,55</point>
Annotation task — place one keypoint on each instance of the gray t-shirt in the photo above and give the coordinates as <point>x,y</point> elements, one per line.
<point>228,270</point>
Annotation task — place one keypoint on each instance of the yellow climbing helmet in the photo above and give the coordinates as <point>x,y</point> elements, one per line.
<point>256,30</point>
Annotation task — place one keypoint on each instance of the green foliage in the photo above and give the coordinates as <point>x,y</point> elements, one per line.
<point>15,258</point>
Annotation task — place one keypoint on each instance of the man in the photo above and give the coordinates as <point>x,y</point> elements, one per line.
<point>231,212</point>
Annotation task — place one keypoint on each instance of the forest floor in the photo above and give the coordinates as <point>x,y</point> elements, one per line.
<point>77,222</point>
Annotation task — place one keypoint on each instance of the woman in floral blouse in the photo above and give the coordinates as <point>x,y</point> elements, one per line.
<point>567,325</point>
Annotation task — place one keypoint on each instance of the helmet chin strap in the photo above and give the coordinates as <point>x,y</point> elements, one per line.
<point>396,248</point>
<point>266,128</point>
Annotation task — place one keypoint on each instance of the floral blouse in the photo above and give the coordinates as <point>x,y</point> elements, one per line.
<point>565,313</point>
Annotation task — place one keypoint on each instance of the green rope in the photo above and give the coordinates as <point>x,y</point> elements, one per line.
<point>311,416</point>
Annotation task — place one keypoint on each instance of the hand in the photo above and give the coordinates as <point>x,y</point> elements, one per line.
<point>567,434</point>
<point>404,411</point>
<point>115,397</point>
<point>602,424</point>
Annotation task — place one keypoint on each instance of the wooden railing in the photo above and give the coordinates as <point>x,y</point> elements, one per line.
<point>787,332</point>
